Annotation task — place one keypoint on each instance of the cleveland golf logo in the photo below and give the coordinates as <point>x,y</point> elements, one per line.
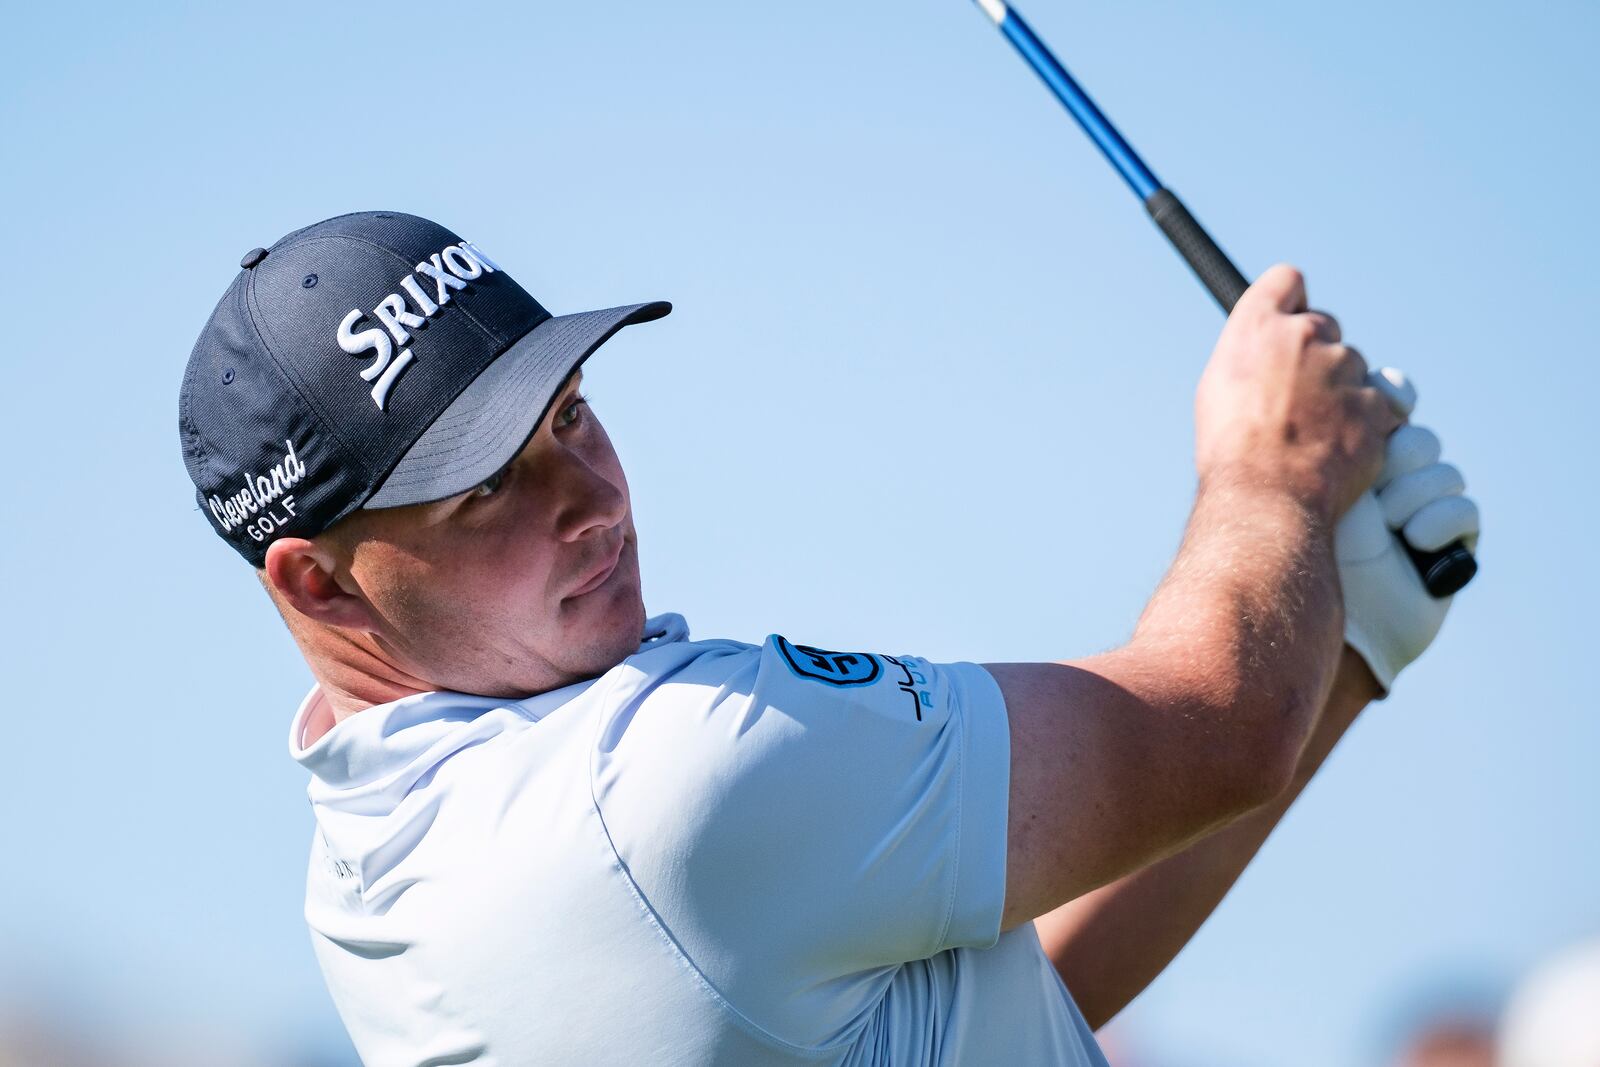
<point>265,504</point>
<point>448,270</point>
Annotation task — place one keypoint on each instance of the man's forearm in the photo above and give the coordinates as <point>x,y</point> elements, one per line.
<point>1249,616</point>
<point>1108,945</point>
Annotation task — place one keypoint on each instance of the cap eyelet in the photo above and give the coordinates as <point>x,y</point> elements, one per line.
<point>310,282</point>
<point>227,376</point>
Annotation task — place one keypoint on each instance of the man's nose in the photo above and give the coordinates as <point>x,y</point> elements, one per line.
<point>589,500</point>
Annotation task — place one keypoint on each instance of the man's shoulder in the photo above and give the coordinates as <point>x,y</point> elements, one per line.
<point>666,672</point>
<point>667,647</point>
<point>668,653</point>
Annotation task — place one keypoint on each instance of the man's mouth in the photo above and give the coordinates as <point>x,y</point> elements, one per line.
<point>596,576</point>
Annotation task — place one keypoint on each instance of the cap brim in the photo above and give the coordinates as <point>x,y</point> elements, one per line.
<point>493,418</point>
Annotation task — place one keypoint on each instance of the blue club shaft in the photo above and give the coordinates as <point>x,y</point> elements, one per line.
<point>1210,264</point>
<point>1071,94</point>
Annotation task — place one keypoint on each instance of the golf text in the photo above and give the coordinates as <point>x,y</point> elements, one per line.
<point>450,269</point>
<point>264,504</point>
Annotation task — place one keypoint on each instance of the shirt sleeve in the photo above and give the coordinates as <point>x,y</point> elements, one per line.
<point>801,821</point>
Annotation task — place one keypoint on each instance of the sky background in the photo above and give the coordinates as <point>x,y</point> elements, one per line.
<point>927,388</point>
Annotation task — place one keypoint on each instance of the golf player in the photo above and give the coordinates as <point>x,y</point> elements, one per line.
<point>551,828</point>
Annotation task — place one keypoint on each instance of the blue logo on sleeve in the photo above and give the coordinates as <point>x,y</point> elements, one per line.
<point>911,684</point>
<point>835,668</point>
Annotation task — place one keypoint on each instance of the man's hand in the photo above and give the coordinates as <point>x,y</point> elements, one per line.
<point>1284,405</point>
<point>1390,618</point>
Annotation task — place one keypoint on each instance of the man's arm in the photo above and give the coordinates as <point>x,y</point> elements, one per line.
<point>1122,759</point>
<point>1108,945</point>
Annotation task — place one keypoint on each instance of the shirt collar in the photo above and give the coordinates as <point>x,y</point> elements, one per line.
<point>374,743</point>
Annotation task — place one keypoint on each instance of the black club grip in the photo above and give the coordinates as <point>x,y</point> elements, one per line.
<point>1444,572</point>
<point>1197,248</point>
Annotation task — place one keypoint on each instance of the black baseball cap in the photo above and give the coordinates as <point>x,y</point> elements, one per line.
<point>372,360</point>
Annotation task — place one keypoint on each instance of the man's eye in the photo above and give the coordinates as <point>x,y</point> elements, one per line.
<point>488,486</point>
<point>570,414</point>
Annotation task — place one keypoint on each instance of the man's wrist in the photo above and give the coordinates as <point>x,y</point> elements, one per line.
<point>1357,675</point>
<point>1352,690</point>
<point>1248,487</point>
<point>1359,645</point>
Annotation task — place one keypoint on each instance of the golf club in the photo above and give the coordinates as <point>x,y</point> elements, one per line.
<point>1443,572</point>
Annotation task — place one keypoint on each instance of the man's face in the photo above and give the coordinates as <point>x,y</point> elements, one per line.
<point>526,583</point>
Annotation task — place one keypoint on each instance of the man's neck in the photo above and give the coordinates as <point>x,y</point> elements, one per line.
<point>352,678</point>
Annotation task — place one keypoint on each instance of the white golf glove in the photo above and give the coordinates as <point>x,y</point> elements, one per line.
<point>1390,617</point>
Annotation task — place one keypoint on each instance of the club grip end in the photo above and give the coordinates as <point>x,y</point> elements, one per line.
<point>1445,572</point>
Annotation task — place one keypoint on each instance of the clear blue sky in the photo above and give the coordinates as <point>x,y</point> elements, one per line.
<point>927,388</point>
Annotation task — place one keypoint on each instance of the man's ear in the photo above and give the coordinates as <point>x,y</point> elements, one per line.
<point>305,576</point>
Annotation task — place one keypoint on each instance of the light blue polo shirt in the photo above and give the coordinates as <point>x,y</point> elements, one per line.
<point>714,853</point>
